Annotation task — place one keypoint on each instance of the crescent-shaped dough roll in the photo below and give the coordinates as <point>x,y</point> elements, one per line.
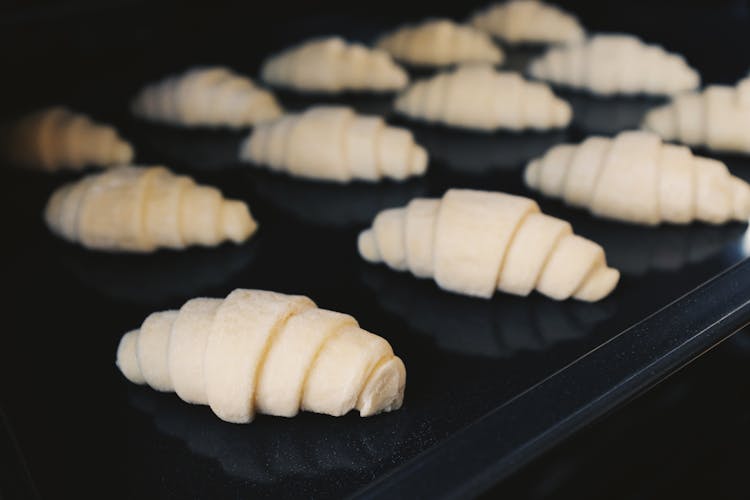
<point>440,42</point>
<point>478,97</point>
<point>212,96</point>
<point>532,21</point>
<point>475,242</point>
<point>334,143</point>
<point>141,209</point>
<point>636,178</point>
<point>264,352</point>
<point>57,138</point>
<point>332,65</point>
<point>717,117</point>
<point>616,64</point>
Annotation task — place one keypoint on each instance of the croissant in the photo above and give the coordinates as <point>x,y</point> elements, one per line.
<point>616,64</point>
<point>57,138</point>
<point>636,178</point>
<point>335,143</point>
<point>212,96</point>
<point>141,209</point>
<point>519,21</point>
<point>473,242</point>
<point>332,65</point>
<point>478,97</point>
<point>717,117</point>
<point>264,352</point>
<point>440,42</point>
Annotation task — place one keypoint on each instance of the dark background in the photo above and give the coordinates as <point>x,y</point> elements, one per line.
<point>75,425</point>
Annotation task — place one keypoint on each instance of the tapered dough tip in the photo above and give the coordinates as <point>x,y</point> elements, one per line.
<point>127,360</point>
<point>660,120</point>
<point>419,161</point>
<point>741,199</point>
<point>384,390</point>
<point>400,79</point>
<point>368,247</point>
<point>562,113</point>
<point>54,208</point>
<point>497,56</point>
<point>598,285</point>
<point>238,224</point>
<point>123,154</point>
<point>531,174</point>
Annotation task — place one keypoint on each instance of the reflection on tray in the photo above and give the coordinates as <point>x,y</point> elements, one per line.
<point>635,250</point>
<point>329,204</point>
<point>155,278</point>
<point>496,328</point>
<point>198,149</point>
<point>476,153</point>
<point>379,104</point>
<point>265,451</point>
<point>608,115</point>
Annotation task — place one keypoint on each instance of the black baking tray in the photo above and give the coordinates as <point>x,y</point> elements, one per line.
<point>491,384</point>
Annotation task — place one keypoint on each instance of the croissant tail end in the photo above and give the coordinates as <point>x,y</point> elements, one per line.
<point>419,161</point>
<point>660,120</point>
<point>531,175</point>
<point>127,360</point>
<point>599,285</point>
<point>367,247</point>
<point>238,224</point>
<point>384,391</point>
<point>562,113</point>
<point>123,154</point>
<point>741,198</point>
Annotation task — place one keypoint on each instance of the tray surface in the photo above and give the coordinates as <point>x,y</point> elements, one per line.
<point>76,425</point>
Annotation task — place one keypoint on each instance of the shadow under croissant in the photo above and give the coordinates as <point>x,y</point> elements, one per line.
<point>476,153</point>
<point>369,103</point>
<point>331,204</point>
<point>636,250</point>
<point>200,148</point>
<point>496,328</point>
<point>263,451</point>
<point>608,115</point>
<point>158,277</point>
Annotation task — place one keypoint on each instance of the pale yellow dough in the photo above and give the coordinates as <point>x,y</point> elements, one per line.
<point>616,64</point>
<point>138,209</point>
<point>529,21</point>
<point>717,117</point>
<point>475,242</point>
<point>259,351</point>
<point>479,97</point>
<point>57,138</point>
<point>636,178</point>
<point>335,143</point>
<point>332,65</point>
<point>210,96</point>
<point>440,42</point>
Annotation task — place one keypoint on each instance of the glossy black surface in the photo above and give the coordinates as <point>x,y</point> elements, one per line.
<point>73,426</point>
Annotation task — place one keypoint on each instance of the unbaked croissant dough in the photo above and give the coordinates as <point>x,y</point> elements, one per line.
<point>440,42</point>
<point>717,117</point>
<point>518,21</point>
<point>478,97</point>
<point>141,209</point>
<point>264,352</point>
<point>335,143</point>
<point>332,65</point>
<point>636,178</point>
<point>211,96</point>
<point>616,64</point>
<point>474,242</point>
<point>57,138</point>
